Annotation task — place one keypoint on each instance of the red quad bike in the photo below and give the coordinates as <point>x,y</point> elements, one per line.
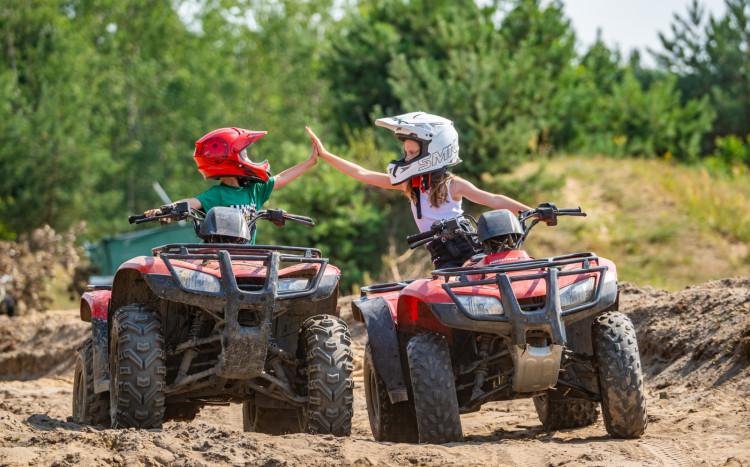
<point>502,326</point>
<point>214,323</point>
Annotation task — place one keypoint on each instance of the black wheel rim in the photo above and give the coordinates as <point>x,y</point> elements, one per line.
<point>78,396</point>
<point>374,396</point>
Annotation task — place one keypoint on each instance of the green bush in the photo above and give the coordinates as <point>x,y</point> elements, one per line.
<point>731,153</point>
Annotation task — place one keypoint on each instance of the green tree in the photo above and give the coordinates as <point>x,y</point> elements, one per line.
<point>712,60</point>
<point>365,42</point>
<point>44,110</point>
<point>498,85</point>
<point>633,121</point>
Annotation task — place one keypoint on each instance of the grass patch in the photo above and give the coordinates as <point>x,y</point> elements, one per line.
<point>664,225</point>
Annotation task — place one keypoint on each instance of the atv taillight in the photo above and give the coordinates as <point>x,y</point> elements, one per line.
<point>415,317</point>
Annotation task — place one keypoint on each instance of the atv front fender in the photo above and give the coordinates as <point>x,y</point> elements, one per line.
<point>94,304</point>
<point>381,333</point>
<point>94,308</point>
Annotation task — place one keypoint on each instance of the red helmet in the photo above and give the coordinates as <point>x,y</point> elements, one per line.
<point>223,153</point>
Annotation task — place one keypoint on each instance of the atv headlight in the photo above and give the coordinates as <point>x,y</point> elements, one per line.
<point>197,280</point>
<point>480,305</point>
<point>575,294</point>
<point>292,285</point>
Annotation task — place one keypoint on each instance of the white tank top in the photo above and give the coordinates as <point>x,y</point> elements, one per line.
<point>430,214</point>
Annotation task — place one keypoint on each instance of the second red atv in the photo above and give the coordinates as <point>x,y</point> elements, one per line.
<point>503,326</point>
<point>218,322</point>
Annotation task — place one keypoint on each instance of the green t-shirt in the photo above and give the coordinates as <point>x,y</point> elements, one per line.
<point>248,198</point>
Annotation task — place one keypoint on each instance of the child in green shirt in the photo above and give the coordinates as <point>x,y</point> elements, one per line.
<point>245,185</point>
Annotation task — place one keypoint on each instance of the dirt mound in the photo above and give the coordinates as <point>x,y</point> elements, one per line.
<point>694,348</point>
<point>40,344</point>
<point>698,337</point>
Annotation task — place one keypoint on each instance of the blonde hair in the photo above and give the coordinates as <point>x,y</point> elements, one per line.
<point>438,190</point>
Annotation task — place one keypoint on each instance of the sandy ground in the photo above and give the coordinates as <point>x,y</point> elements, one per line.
<point>695,349</point>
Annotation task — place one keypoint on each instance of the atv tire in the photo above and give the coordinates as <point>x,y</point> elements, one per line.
<point>271,421</point>
<point>7,306</point>
<point>620,375</point>
<point>558,413</point>
<point>326,343</point>
<point>88,407</point>
<point>434,388</point>
<point>137,368</point>
<point>181,411</point>
<point>388,422</point>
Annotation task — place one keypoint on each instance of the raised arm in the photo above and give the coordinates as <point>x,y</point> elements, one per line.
<point>291,173</point>
<point>462,188</point>
<point>351,169</point>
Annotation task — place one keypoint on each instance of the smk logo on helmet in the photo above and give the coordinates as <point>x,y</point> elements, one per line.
<point>223,153</point>
<point>438,140</point>
<point>440,159</point>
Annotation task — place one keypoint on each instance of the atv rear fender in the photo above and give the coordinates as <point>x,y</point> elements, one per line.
<point>378,314</point>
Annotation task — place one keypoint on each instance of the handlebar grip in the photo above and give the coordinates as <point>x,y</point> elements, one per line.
<point>144,219</point>
<point>420,236</point>
<point>301,219</point>
<point>134,218</point>
<point>567,210</point>
<point>419,243</point>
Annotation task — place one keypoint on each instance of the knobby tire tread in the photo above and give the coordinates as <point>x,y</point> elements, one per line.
<point>90,408</point>
<point>563,413</point>
<point>620,375</point>
<point>139,365</point>
<point>330,366</point>
<point>394,422</point>
<point>434,388</point>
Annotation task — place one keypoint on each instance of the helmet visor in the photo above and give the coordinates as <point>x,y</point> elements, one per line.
<point>243,154</point>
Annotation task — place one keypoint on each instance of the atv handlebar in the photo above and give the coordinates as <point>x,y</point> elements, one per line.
<point>420,236</point>
<point>547,213</point>
<point>279,217</point>
<point>446,228</point>
<point>182,210</point>
<point>176,211</point>
<point>138,217</point>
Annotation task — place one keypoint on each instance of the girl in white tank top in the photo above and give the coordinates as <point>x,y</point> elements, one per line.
<point>421,189</point>
<point>448,210</point>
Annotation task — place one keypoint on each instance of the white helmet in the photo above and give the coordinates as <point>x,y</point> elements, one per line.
<point>436,135</point>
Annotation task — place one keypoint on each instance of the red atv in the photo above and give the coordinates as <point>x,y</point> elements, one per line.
<point>502,326</point>
<point>218,322</point>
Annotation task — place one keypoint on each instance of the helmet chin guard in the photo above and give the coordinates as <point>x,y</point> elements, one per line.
<point>223,153</point>
<point>437,136</point>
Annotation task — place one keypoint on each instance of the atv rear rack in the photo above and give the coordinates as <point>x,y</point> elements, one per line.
<point>385,287</point>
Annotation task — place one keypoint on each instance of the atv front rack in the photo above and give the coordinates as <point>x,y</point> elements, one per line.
<point>244,346</point>
<point>270,256</point>
<point>551,270</point>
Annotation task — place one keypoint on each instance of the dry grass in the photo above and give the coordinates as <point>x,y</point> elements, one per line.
<point>664,225</point>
